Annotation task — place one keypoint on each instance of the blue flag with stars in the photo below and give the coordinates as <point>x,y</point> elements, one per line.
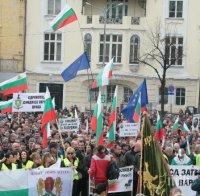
<point>80,63</point>
<point>129,110</point>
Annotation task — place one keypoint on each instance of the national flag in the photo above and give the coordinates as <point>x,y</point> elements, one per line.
<point>65,17</point>
<point>104,76</point>
<point>112,118</point>
<point>96,123</point>
<point>14,85</point>
<point>159,128</point>
<point>14,183</point>
<point>6,106</point>
<point>185,128</point>
<point>79,64</point>
<point>137,112</point>
<point>49,115</point>
<point>129,110</point>
<point>176,125</point>
<point>155,176</point>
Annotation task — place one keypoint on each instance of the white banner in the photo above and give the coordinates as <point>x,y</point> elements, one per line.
<point>28,102</point>
<point>184,177</point>
<point>129,129</point>
<point>50,182</point>
<point>68,124</point>
<point>123,184</point>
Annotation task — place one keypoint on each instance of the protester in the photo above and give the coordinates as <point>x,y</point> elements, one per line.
<point>99,168</point>
<point>181,158</point>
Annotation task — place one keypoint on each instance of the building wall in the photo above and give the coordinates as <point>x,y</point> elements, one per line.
<point>76,91</point>
<point>11,35</point>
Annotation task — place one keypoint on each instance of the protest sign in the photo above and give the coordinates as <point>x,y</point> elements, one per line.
<point>68,124</point>
<point>184,177</point>
<point>128,129</point>
<point>123,184</point>
<point>28,102</point>
<point>33,182</point>
<point>196,122</point>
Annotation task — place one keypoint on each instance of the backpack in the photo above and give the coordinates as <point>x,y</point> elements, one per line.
<point>113,171</point>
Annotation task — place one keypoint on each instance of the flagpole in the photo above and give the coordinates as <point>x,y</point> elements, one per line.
<point>89,63</point>
<point>61,139</point>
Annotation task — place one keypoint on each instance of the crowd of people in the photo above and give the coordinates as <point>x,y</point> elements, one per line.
<point>20,146</point>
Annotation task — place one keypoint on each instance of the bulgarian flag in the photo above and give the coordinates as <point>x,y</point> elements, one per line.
<point>14,85</point>
<point>176,125</point>
<point>104,76</point>
<point>112,118</point>
<point>6,106</point>
<point>49,115</point>
<point>65,17</point>
<point>97,121</point>
<point>159,128</point>
<point>137,112</point>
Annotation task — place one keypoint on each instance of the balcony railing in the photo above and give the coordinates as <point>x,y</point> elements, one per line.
<point>110,20</point>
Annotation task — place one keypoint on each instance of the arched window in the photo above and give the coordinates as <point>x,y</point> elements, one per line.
<point>88,44</point>
<point>127,94</point>
<point>134,49</point>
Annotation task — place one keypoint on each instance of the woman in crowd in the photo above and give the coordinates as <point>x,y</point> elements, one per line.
<point>26,163</point>
<point>37,161</point>
<point>72,161</point>
<point>47,160</point>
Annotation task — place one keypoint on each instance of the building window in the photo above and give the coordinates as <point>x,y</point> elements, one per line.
<point>54,7</point>
<point>113,48</point>
<point>174,50</point>
<point>52,46</point>
<point>116,11</point>
<point>134,49</point>
<point>127,94</point>
<point>93,94</point>
<point>110,92</point>
<point>166,95</point>
<point>88,43</point>
<point>175,9</point>
<point>180,96</point>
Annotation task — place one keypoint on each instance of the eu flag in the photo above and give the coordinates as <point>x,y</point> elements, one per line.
<point>80,63</point>
<point>129,110</point>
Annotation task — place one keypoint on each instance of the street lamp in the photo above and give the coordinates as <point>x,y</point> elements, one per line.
<point>105,11</point>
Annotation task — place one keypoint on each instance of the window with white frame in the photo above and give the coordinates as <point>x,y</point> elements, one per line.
<point>127,94</point>
<point>110,92</point>
<point>174,50</point>
<point>53,7</point>
<point>52,46</point>
<point>88,44</point>
<point>180,96</point>
<point>175,8</point>
<point>116,11</point>
<point>165,96</point>
<point>134,49</point>
<point>113,48</point>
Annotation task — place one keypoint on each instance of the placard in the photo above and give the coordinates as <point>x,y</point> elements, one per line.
<point>123,184</point>
<point>68,124</point>
<point>129,129</point>
<point>184,177</point>
<point>28,102</point>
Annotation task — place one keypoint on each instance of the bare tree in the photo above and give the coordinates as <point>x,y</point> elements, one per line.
<point>162,53</point>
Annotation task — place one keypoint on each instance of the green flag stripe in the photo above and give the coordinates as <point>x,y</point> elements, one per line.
<point>14,83</point>
<point>5,106</point>
<point>48,105</point>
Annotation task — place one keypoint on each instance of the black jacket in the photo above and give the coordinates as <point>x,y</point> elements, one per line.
<point>196,186</point>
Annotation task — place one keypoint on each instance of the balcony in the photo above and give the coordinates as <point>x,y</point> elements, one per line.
<point>127,22</point>
<point>133,67</point>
